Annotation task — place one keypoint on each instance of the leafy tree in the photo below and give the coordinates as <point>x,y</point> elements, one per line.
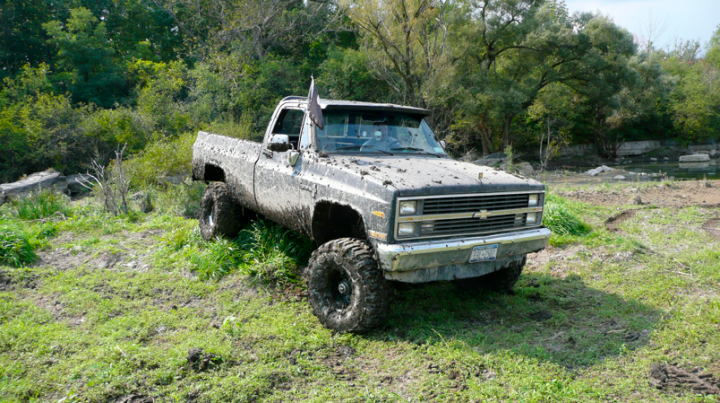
<point>86,55</point>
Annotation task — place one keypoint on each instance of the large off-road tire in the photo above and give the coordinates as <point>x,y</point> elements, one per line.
<point>346,289</point>
<point>502,280</point>
<point>219,215</point>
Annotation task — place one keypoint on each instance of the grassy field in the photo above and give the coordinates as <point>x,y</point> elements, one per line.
<point>114,309</point>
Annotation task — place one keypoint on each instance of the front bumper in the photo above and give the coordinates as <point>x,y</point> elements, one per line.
<point>446,260</point>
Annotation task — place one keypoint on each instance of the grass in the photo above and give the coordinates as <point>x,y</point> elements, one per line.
<point>40,205</point>
<point>16,249</point>
<point>116,304</point>
<point>561,216</point>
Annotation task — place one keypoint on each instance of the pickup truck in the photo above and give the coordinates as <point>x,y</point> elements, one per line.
<point>376,190</point>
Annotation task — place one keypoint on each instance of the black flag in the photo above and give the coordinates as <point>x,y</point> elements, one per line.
<point>315,110</point>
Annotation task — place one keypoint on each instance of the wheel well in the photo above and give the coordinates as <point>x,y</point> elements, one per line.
<point>334,221</point>
<point>214,173</point>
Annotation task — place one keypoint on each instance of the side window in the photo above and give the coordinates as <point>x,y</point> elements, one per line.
<point>290,122</point>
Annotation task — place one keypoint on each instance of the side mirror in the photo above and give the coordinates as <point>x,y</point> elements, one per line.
<point>293,157</point>
<point>443,144</point>
<point>279,143</point>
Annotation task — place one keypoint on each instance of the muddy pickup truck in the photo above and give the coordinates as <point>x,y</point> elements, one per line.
<point>376,190</point>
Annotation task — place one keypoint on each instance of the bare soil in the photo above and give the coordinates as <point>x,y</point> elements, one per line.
<point>671,194</point>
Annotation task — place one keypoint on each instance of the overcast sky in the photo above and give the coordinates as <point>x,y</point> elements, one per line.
<point>684,19</point>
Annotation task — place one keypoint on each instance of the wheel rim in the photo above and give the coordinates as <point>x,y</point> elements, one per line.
<point>341,289</point>
<point>209,214</point>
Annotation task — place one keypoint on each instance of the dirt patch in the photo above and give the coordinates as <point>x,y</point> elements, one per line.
<point>670,377</point>
<point>612,223</point>
<point>673,194</point>
<point>713,227</point>
<point>199,360</point>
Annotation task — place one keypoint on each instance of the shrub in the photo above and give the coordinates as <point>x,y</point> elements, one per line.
<point>272,254</point>
<point>15,246</point>
<point>162,158</point>
<point>560,216</point>
<point>41,205</point>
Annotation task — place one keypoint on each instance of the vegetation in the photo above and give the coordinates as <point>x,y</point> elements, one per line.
<point>115,304</point>
<point>561,217</point>
<point>43,204</point>
<point>81,77</point>
<point>15,247</point>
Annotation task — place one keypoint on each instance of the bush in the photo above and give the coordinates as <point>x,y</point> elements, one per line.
<point>41,205</point>
<point>266,252</point>
<point>162,158</point>
<point>560,216</point>
<point>272,254</point>
<point>15,246</point>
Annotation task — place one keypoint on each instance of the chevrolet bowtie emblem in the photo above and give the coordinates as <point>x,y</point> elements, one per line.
<point>482,214</point>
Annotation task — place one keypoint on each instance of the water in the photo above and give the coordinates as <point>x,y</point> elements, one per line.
<point>677,170</point>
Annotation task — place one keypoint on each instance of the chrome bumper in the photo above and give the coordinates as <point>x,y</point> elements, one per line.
<point>446,260</point>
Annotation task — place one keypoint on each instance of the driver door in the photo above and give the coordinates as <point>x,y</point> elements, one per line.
<point>277,185</point>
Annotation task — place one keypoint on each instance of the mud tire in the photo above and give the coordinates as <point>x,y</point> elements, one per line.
<point>219,215</point>
<point>502,280</point>
<point>347,261</point>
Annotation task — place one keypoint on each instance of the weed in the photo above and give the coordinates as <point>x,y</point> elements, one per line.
<point>218,259</point>
<point>15,246</point>
<point>271,253</point>
<point>561,217</point>
<point>42,204</point>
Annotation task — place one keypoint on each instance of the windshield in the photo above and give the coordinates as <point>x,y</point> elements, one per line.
<point>376,133</point>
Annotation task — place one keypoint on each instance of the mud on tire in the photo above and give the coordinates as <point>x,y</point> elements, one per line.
<point>219,215</point>
<point>502,280</point>
<point>346,289</point>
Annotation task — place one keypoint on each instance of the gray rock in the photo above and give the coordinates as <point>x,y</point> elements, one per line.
<point>653,159</point>
<point>524,168</point>
<point>38,181</point>
<point>599,170</point>
<point>695,158</point>
<point>619,177</point>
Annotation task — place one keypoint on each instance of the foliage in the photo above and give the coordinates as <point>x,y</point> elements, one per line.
<point>561,217</point>
<point>41,204</point>
<point>272,254</point>
<point>15,246</point>
<point>161,159</point>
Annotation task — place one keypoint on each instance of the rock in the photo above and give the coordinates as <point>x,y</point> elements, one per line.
<point>636,200</point>
<point>619,177</point>
<point>599,170</point>
<point>77,183</point>
<point>666,158</point>
<point>653,159</point>
<point>695,158</point>
<point>49,179</point>
<point>524,168</point>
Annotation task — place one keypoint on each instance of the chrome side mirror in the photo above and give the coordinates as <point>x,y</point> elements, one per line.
<point>279,143</point>
<point>443,144</point>
<point>293,157</point>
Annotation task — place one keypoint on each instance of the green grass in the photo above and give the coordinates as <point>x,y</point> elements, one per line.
<point>114,306</point>
<point>40,205</point>
<point>562,217</point>
<point>16,249</point>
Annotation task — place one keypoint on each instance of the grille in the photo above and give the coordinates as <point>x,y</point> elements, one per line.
<point>474,225</point>
<point>469,204</point>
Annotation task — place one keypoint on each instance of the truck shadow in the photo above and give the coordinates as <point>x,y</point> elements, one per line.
<point>548,318</point>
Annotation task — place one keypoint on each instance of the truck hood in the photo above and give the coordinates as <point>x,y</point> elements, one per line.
<point>429,175</point>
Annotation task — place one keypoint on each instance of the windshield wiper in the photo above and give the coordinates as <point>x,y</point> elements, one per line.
<point>422,150</point>
<point>355,147</point>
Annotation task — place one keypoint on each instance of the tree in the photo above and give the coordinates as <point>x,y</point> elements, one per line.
<point>86,55</point>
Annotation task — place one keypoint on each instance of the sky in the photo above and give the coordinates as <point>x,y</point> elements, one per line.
<point>681,19</point>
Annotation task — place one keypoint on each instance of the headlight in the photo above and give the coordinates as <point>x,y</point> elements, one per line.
<point>408,207</point>
<point>407,229</point>
<point>531,218</point>
<point>533,201</point>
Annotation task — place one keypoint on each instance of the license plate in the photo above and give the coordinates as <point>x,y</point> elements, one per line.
<point>483,253</point>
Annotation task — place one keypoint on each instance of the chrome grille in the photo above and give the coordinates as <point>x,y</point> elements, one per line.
<point>475,226</point>
<point>469,204</point>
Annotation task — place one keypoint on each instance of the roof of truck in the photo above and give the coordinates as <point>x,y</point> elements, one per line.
<point>341,104</point>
